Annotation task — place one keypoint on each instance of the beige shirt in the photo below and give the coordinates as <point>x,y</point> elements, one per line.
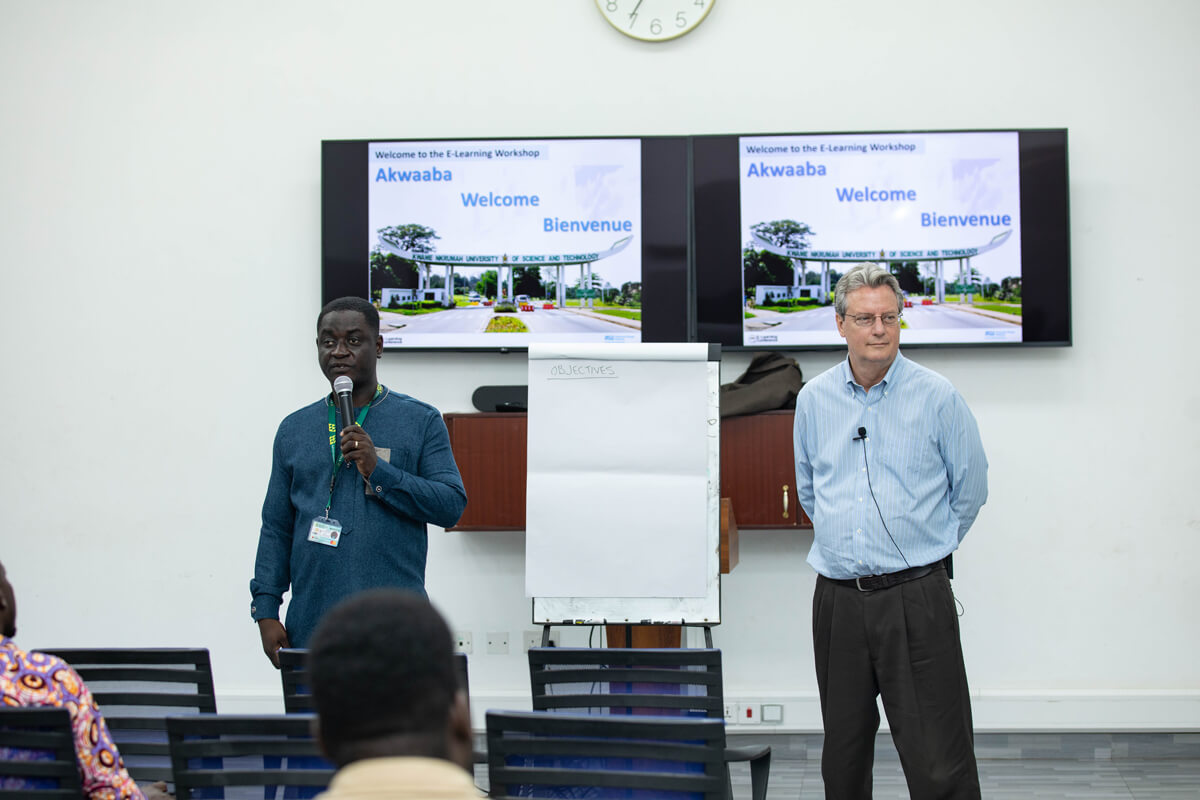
<point>407,778</point>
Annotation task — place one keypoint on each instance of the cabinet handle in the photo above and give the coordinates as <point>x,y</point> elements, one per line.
<point>785,501</point>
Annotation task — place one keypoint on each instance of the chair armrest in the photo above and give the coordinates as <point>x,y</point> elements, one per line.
<point>748,752</point>
<point>759,756</point>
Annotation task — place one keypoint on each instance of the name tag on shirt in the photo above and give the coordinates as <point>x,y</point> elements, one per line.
<point>325,531</point>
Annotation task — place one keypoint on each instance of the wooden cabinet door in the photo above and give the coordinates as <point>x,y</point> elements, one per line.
<point>490,450</point>
<point>758,471</point>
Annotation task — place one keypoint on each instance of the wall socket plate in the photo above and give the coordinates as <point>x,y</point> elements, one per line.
<point>532,638</point>
<point>462,642</point>
<point>497,643</point>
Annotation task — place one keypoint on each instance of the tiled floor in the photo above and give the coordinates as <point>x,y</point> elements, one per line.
<point>1145,766</point>
<point>1010,779</point>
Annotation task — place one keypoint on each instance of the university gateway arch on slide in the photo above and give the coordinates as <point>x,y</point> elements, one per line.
<point>504,263</point>
<point>826,257</point>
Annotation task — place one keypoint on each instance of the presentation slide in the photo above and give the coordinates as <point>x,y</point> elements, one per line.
<point>940,210</point>
<point>493,243</point>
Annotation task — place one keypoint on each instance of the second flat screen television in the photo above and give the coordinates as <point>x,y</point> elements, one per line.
<point>973,224</point>
<point>497,243</point>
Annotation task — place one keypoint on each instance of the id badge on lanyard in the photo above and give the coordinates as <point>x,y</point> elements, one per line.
<point>324,529</point>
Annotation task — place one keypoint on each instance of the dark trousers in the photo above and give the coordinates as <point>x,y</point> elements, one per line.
<point>901,643</point>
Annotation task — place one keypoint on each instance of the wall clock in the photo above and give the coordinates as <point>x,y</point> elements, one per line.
<point>655,20</point>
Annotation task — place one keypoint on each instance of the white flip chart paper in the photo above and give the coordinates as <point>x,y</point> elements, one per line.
<point>618,471</point>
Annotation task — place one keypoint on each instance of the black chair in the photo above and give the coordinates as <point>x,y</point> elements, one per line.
<point>136,688</point>
<point>211,751</point>
<point>293,673</point>
<point>533,753</point>
<point>683,682</point>
<point>37,753</point>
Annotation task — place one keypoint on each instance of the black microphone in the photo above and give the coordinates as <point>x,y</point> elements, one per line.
<point>862,434</point>
<point>343,387</point>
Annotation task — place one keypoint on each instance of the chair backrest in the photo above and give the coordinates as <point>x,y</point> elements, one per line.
<point>136,689</point>
<point>533,753</point>
<point>228,750</point>
<point>37,753</point>
<point>627,681</point>
<point>293,673</point>
<point>460,666</point>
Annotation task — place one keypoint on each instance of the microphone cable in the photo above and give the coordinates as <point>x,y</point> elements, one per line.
<point>862,436</point>
<point>960,609</point>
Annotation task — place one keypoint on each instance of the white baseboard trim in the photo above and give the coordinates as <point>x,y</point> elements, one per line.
<point>249,701</point>
<point>1002,711</point>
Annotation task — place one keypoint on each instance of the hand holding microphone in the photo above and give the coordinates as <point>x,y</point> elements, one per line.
<point>357,447</point>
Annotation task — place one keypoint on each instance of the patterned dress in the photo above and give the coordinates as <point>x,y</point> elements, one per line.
<point>36,679</point>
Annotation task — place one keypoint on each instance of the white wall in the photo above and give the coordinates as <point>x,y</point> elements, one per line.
<point>159,265</point>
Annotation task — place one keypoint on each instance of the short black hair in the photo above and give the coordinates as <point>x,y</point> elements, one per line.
<point>364,307</point>
<point>382,663</point>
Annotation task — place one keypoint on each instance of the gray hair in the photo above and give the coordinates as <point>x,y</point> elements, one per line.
<point>867,275</point>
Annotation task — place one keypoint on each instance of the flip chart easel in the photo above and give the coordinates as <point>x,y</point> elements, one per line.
<point>623,485</point>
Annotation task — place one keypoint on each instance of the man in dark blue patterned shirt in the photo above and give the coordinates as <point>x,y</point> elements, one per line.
<point>348,512</point>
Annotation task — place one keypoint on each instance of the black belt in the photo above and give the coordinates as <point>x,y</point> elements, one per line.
<point>872,583</point>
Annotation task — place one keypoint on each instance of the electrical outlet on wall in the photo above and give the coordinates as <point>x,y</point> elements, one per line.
<point>497,643</point>
<point>533,638</point>
<point>730,712</point>
<point>749,714</point>
<point>462,642</point>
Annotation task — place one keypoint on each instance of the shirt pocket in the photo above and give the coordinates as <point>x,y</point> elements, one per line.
<point>919,455</point>
<point>382,454</point>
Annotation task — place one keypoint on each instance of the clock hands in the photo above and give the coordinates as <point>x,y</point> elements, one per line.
<point>666,19</point>
<point>633,14</point>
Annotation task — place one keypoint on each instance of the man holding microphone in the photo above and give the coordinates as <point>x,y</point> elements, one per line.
<point>347,511</point>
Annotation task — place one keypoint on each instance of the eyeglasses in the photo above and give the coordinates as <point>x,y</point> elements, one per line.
<point>891,319</point>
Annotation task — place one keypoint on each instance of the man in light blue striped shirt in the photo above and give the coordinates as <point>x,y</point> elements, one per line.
<point>891,470</point>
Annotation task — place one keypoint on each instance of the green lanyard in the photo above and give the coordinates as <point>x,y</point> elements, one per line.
<point>334,451</point>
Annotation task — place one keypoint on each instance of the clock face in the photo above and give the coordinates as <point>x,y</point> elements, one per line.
<point>654,20</point>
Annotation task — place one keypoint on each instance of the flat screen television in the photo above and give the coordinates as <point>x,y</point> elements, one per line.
<point>491,244</point>
<point>974,225</point>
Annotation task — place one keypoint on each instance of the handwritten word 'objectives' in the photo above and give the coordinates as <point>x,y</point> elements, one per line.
<point>561,372</point>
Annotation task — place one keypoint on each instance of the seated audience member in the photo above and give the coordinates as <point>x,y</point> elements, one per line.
<point>37,679</point>
<point>390,712</point>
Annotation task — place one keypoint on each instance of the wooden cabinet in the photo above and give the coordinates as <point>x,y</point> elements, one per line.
<point>758,472</point>
<point>489,449</point>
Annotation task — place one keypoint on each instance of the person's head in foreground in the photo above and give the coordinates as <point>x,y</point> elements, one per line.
<point>381,665</point>
<point>8,606</point>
